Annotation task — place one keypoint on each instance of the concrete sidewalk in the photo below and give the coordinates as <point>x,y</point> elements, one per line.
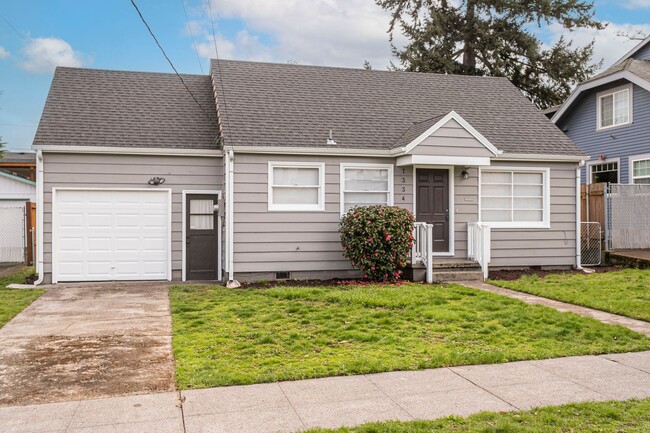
<point>338,401</point>
<point>640,326</point>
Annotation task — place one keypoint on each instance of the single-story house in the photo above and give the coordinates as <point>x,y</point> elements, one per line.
<point>608,117</point>
<point>244,174</point>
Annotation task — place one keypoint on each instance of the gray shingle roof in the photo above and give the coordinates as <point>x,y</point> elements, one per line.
<point>292,105</point>
<point>18,157</point>
<point>640,68</point>
<point>89,107</point>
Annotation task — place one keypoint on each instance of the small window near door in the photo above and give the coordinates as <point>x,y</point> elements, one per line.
<point>604,172</point>
<point>641,171</point>
<point>366,185</point>
<point>201,214</point>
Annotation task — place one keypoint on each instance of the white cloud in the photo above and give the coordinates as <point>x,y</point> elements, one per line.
<point>609,46</point>
<point>43,54</point>
<point>4,53</point>
<point>637,4</point>
<point>320,32</point>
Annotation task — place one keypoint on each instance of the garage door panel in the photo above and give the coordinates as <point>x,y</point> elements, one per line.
<point>112,235</point>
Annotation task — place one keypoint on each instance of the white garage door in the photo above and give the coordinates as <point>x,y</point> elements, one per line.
<point>106,235</point>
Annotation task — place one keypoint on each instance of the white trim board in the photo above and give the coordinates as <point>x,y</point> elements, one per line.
<point>441,160</point>
<point>55,222</point>
<point>184,194</point>
<point>452,205</point>
<point>118,150</point>
<point>452,115</point>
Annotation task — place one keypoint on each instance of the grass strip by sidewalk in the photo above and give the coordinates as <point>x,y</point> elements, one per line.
<point>13,301</point>
<point>226,337</point>
<point>625,292</point>
<point>632,416</point>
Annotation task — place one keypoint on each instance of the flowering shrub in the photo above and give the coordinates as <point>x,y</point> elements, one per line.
<point>377,240</point>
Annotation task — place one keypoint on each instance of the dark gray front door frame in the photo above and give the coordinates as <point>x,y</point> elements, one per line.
<point>452,209</point>
<point>185,222</point>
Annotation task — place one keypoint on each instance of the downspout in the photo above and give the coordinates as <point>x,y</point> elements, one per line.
<point>578,217</point>
<point>230,225</point>
<point>39,218</point>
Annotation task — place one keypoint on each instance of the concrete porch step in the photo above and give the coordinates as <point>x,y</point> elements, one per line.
<point>445,270</point>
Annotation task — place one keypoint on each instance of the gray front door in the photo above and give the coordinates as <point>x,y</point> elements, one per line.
<point>432,200</point>
<point>202,237</point>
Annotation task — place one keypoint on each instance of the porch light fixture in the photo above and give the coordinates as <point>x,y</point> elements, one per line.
<point>465,174</point>
<point>156,181</point>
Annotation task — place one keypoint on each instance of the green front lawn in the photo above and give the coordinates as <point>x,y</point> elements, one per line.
<point>13,301</point>
<point>225,337</point>
<point>632,416</point>
<point>624,292</point>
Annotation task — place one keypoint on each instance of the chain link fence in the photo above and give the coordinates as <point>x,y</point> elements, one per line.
<point>627,212</point>
<point>590,244</point>
<point>12,234</point>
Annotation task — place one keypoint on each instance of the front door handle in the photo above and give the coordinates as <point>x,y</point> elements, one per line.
<point>446,214</point>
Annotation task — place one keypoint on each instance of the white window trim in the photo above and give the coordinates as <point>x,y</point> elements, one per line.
<point>320,207</point>
<point>546,212</point>
<point>632,159</point>
<point>345,165</point>
<point>603,161</point>
<point>609,92</point>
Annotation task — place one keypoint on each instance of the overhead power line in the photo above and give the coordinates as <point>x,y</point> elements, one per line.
<point>23,37</point>
<point>189,27</point>
<point>170,62</point>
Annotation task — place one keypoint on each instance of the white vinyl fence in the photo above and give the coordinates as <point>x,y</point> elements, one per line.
<point>12,234</point>
<point>628,217</point>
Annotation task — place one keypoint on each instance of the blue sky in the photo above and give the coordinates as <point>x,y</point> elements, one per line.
<point>108,34</point>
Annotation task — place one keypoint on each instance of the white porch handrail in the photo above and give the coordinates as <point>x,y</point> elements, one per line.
<point>422,250</point>
<point>478,245</point>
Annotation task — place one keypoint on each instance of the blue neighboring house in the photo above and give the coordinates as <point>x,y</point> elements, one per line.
<point>608,116</point>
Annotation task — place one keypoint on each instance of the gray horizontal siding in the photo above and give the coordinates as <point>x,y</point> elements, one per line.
<point>294,241</point>
<point>128,171</point>
<point>621,142</point>
<point>451,140</point>
<point>643,53</point>
<point>542,247</point>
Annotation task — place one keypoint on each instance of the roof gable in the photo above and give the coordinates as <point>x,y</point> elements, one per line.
<point>451,120</point>
<point>631,54</point>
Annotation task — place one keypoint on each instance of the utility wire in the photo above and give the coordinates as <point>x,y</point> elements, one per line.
<point>170,62</point>
<point>216,52</point>
<point>23,37</point>
<point>192,35</point>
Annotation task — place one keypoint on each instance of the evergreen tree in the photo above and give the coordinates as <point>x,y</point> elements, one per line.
<point>496,38</point>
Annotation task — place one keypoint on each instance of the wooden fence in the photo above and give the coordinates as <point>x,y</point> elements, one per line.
<point>30,232</point>
<point>593,203</point>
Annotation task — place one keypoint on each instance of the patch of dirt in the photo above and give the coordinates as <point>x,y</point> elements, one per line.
<point>317,283</point>
<point>55,368</point>
<point>514,274</point>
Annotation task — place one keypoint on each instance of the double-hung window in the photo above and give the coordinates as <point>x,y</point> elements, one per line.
<point>515,197</point>
<point>366,185</point>
<point>615,107</point>
<point>641,170</point>
<point>296,186</point>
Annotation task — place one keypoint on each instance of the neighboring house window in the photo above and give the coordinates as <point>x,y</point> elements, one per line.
<point>515,198</point>
<point>296,186</point>
<point>641,171</point>
<point>606,171</point>
<point>615,107</point>
<point>366,185</point>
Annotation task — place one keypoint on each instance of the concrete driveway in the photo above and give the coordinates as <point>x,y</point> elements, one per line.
<point>88,341</point>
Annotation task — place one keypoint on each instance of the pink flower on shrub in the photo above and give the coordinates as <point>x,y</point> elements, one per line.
<point>372,268</point>
<point>388,238</point>
<point>370,240</point>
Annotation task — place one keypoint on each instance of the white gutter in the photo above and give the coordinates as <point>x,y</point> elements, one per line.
<point>578,217</point>
<point>230,226</point>
<point>117,150</point>
<point>39,218</point>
